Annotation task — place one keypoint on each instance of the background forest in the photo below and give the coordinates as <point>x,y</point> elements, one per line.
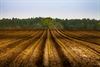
<point>48,22</point>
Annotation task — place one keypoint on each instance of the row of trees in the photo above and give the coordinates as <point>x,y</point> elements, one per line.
<point>82,24</point>
<point>43,23</point>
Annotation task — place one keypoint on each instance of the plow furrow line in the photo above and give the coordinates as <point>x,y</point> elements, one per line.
<point>51,57</point>
<point>12,53</point>
<point>83,52</point>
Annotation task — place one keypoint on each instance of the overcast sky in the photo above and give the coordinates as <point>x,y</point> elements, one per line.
<point>52,8</point>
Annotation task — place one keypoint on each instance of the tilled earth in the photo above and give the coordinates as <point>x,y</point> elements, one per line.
<point>49,48</point>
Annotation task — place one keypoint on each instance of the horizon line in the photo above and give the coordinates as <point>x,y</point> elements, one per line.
<point>46,17</point>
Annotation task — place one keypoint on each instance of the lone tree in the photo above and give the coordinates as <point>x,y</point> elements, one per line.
<point>47,22</point>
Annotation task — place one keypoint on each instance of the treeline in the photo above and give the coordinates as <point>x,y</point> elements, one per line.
<point>44,23</point>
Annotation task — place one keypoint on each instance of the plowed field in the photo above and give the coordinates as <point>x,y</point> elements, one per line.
<point>49,48</point>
